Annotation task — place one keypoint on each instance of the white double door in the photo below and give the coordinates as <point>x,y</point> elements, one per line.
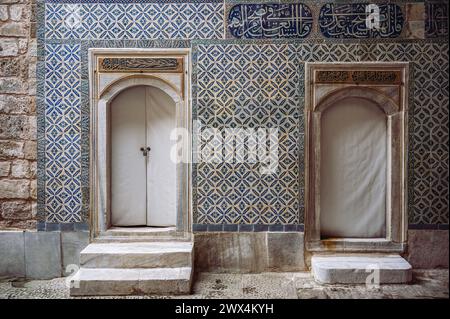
<point>143,177</point>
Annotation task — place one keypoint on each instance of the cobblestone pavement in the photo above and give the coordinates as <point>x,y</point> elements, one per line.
<point>426,284</point>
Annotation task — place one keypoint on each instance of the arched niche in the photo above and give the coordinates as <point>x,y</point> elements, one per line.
<point>105,86</point>
<point>364,109</point>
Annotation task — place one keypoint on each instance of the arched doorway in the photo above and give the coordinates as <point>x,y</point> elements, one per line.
<point>143,176</point>
<point>355,156</point>
<point>161,78</point>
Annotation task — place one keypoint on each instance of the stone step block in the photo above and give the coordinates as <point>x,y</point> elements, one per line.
<point>139,239</point>
<point>132,281</point>
<point>355,269</point>
<point>137,255</point>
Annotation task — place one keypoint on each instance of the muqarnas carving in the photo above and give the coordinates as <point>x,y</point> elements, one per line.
<point>358,20</point>
<point>270,20</point>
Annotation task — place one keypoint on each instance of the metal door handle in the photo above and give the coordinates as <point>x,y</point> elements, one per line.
<point>145,150</point>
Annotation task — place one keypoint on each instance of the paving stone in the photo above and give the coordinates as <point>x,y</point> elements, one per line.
<point>212,285</point>
<point>426,284</point>
<point>257,286</point>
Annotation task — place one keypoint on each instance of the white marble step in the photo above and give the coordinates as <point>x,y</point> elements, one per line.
<point>142,231</point>
<point>106,238</point>
<point>355,269</point>
<point>132,281</point>
<point>137,255</point>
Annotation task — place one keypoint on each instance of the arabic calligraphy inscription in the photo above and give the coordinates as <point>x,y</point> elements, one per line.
<point>383,77</point>
<point>358,20</point>
<point>140,64</point>
<point>270,20</point>
<point>436,23</point>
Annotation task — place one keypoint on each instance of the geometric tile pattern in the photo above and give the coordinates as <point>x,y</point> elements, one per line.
<point>428,128</point>
<point>430,191</point>
<point>235,83</point>
<point>134,21</point>
<point>247,84</point>
<point>62,133</point>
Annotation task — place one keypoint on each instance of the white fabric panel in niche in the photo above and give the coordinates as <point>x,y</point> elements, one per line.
<point>353,170</point>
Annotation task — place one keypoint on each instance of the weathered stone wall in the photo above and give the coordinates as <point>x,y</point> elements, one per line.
<point>17,114</point>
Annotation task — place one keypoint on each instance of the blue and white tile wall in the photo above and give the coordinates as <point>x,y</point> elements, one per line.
<point>63,198</point>
<point>138,20</point>
<point>250,86</point>
<point>247,70</point>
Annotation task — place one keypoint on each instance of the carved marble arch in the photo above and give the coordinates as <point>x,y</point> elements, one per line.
<point>386,86</point>
<point>383,101</point>
<point>128,68</point>
<point>117,86</point>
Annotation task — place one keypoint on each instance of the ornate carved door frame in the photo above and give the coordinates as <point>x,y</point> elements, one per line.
<point>111,71</point>
<point>385,84</point>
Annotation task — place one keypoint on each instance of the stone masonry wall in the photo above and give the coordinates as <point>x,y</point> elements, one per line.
<point>17,114</point>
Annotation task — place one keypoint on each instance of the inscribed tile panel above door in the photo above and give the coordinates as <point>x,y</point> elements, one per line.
<point>361,20</point>
<point>270,20</point>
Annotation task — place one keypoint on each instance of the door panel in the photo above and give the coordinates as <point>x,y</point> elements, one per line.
<point>128,165</point>
<point>143,188</point>
<point>161,171</point>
